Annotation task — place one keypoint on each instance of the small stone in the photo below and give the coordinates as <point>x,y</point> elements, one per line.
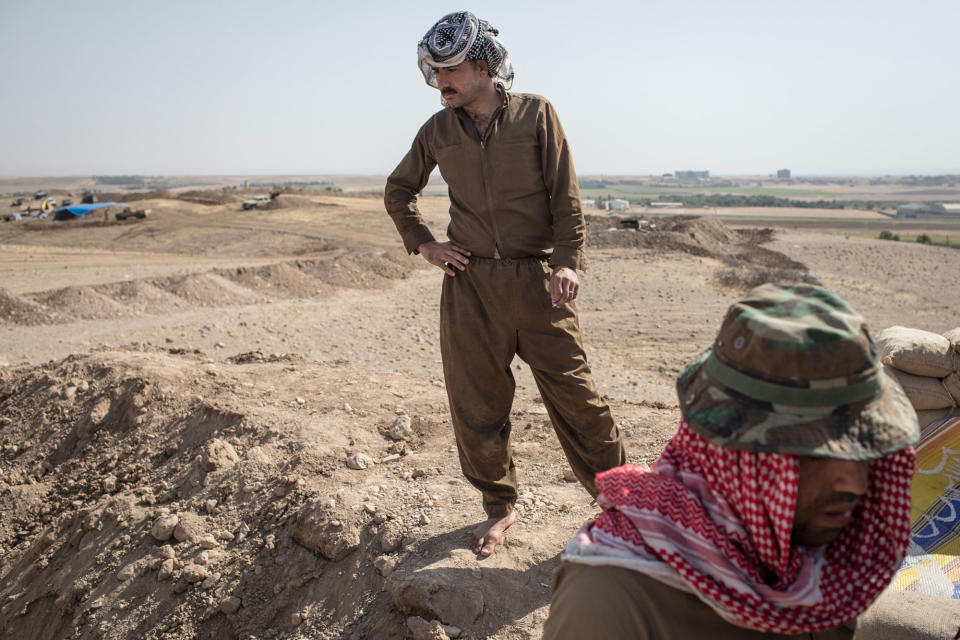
<point>426,630</point>
<point>347,407</point>
<point>301,401</point>
<point>359,461</point>
<point>225,535</point>
<point>390,458</point>
<point>128,572</point>
<point>110,484</point>
<point>385,565</point>
<point>295,619</point>
<point>171,448</point>
<point>569,475</point>
<point>163,527</point>
<point>452,631</point>
<point>194,573</point>
<point>208,541</point>
<point>230,604</point>
<point>210,505</point>
<point>424,518</point>
<point>218,454</point>
<point>189,528</point>
<point>166,551</point>
<point>166,569</point>
<point>401,429</point>
<point>211,581</point>
<point>391,537</point>
<point>69,392</point>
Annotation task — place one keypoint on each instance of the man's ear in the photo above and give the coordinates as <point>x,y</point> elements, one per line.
<point>482,67</point>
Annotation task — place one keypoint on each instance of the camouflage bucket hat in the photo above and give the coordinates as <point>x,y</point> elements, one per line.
<point>794,370</point>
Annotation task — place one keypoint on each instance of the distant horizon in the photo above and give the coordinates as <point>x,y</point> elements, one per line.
<point>713,174</point>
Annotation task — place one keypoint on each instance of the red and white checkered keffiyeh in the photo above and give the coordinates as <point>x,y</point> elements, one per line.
<point>717,522</point>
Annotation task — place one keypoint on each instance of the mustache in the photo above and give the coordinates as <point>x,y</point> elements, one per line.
<point>838,500</point>
<point>448,91</point>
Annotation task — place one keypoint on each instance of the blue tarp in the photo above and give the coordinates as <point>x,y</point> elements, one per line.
<point>80,210</point>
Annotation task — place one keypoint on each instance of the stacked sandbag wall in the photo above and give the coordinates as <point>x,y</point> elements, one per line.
<point>927,366</point>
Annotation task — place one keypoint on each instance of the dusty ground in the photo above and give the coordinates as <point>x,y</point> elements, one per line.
<point>183,398</point>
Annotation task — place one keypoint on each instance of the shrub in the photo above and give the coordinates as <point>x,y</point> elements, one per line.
<point>924,239</point>
<point>885,235</point>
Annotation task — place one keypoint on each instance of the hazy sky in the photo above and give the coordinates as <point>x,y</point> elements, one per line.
<point>317,87</point>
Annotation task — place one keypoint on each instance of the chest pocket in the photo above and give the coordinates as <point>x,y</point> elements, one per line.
<point>518,169</point>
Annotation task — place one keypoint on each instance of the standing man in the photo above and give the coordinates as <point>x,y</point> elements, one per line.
<point>513,198</point>
<point>780,509</point>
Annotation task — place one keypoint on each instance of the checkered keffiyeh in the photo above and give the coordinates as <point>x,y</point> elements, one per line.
<point>717,523</point>
<point>461,36</point>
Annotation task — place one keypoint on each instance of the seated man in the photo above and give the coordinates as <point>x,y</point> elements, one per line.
<point>781,507</point>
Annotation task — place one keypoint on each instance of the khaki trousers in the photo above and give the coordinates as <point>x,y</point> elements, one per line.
<point>495,309</point>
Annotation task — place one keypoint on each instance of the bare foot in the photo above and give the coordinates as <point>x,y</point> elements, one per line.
<point>489,533</point>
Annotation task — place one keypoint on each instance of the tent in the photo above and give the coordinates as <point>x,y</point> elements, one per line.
<point>80,210</point>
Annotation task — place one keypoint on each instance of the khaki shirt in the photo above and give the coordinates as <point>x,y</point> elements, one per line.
<point>513,192</point>
<point>612,602</point>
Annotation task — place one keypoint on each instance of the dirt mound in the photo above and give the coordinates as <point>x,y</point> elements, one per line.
<point>698,236</point>
<point>284,280</point>
<point>17,310</point>
<point>288,201</point>
<point>747,263</point>
<point>141,297</point>
<point>314,278</point>
<point>81,302</point>
<point>210,196</point>
<point>364,271</point>
<point>207,290</point>
<point>133,196</point>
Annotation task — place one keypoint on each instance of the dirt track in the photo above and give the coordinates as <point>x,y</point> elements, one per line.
<point>221,368</point>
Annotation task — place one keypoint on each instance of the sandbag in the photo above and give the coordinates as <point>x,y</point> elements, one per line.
<point>923,392</point>
<point>928,417</point>
<point>952,384</point>
<point>919,352</point>
<point>903,615</point>
<point>954,337</point>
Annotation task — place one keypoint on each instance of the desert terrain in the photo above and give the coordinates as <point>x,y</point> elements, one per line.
<point>218,423</point>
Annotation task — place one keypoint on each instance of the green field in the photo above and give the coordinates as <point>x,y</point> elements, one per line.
<point>627,192</point>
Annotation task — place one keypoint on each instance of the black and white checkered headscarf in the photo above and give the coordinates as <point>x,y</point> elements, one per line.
<point>462,36</point>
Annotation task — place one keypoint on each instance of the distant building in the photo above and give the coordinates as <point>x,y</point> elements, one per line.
<point>588,202</point>
<point>915,209</point>
<point>666,204</point>
<point>618,205</point>
<point>692,175</point>
<point>783,174</point>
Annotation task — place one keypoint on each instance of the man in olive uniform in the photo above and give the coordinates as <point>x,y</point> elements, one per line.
<point>515,244</point>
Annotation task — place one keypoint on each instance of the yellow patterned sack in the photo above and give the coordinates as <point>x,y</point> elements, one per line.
<point>932,565</point>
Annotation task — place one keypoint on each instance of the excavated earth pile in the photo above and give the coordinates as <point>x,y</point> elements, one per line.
<point>142,497</point>
<point>307,278</point>
<point>745,262</point>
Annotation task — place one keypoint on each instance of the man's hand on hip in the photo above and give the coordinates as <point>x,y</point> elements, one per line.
<point>445,255</point>
<point>564,286</point>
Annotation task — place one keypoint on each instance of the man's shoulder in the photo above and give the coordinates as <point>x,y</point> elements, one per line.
<point>441,117</point>
<point>529,98</point>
